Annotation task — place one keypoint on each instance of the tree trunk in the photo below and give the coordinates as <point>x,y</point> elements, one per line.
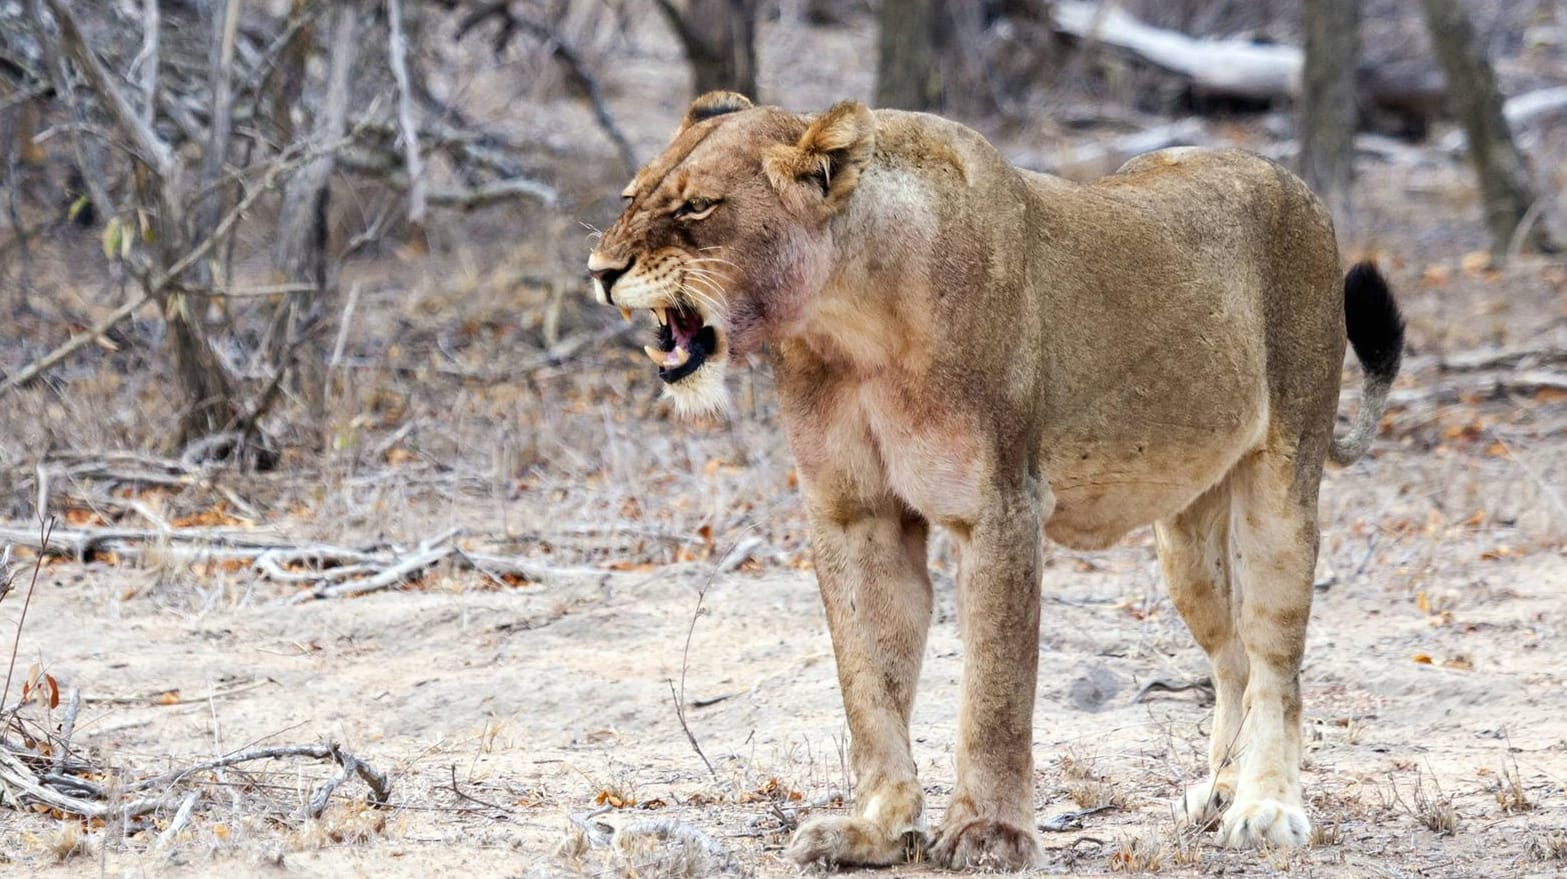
<point>908,68</point>
<point>719,37</point>
<point>1505,183</point>
<point>1328,112</point>
<point>299,253</point>
<point>209,395</point>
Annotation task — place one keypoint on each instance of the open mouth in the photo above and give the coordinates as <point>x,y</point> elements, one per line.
<point>684,342</point>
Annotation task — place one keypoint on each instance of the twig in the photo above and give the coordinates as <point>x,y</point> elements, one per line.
<point>14,773</point>
<point>148,59</point>
<point>380,786</point>
<point>473,799</point>
<point>272,556</point>
<point>464,198</point>
<point>395,575</point>
<point>1070,820</point>
<point>46,528</point>
<point>349,766</point>
<point>82,542</point>
<point>1203,686</point>
<point>343,324</point>
<point>181,818</point>
<point>73,706</point>
<point>47,362</point>
<point>685,664</point>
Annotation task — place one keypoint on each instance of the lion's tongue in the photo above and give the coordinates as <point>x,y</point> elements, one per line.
<point>683,325</point>
<point>667,359</point>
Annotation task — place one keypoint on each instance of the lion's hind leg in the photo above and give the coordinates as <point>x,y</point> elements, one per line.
<point>1194,552</point>
<point>1273,552</point>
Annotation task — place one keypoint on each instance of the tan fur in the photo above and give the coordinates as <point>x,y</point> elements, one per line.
<point>960,343</point>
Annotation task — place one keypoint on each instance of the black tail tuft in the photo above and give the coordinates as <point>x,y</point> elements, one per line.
<point>1375,327</point>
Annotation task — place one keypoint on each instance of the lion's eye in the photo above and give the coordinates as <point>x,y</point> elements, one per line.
<point>695,209</point>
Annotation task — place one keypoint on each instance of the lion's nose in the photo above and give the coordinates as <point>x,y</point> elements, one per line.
<point>607,277</point>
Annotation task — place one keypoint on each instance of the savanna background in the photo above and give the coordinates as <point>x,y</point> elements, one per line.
<point>373,550</point>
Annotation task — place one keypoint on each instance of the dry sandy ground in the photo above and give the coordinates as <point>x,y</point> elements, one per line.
<point>1434,674</point>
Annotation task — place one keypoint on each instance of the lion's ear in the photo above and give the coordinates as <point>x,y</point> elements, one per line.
<point>714,104</point>
<point>828,157</point>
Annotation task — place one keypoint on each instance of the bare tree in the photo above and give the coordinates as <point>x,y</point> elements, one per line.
<point>210,404</point>
<point>181,124</point>
<point>719,37</point>
<point>1328,112</point>
<point>908,64</point>
<point>1511,210</point>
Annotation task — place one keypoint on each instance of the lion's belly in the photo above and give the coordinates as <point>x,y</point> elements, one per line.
<point>1104,489</point>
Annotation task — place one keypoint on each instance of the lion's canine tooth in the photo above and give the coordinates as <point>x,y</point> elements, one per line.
<point>662,314</point>
<point>625,313</point>
<point>677,357</point>
<point>654,354</point>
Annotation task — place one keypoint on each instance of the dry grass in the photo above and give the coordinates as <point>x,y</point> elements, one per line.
<point>1431,807</point>
<point>1085,785</point>
<point>1327,833</point>
<point>1143,853</point>
<point>1550,846</point>
<point>1511,795</point>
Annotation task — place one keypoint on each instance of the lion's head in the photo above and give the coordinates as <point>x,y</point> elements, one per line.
<point>725,235</point>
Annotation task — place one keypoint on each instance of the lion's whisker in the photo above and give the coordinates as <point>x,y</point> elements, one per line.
<point>706,298</point>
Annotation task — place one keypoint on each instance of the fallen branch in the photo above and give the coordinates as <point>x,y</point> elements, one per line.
<point>427,556</point>
<point>348,767</point>
<point>82,543</point>
<point>23,786</point>
<point>1518,110</point>
<point>332,570</point>
<point>1229,67</point>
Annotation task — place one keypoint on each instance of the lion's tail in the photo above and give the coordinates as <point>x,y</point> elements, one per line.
<point>1376,332</point>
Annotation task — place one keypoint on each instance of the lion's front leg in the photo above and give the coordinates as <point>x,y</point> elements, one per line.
<point>870,564</point>
<point>990,820</point>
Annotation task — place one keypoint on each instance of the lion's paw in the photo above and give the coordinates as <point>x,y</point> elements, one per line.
<point>838,840</point>
<point>985,844</point>
<point>1205,802</point>
<point>1258,823</point>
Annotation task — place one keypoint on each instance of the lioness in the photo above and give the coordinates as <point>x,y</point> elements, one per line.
<point>963,343</point>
